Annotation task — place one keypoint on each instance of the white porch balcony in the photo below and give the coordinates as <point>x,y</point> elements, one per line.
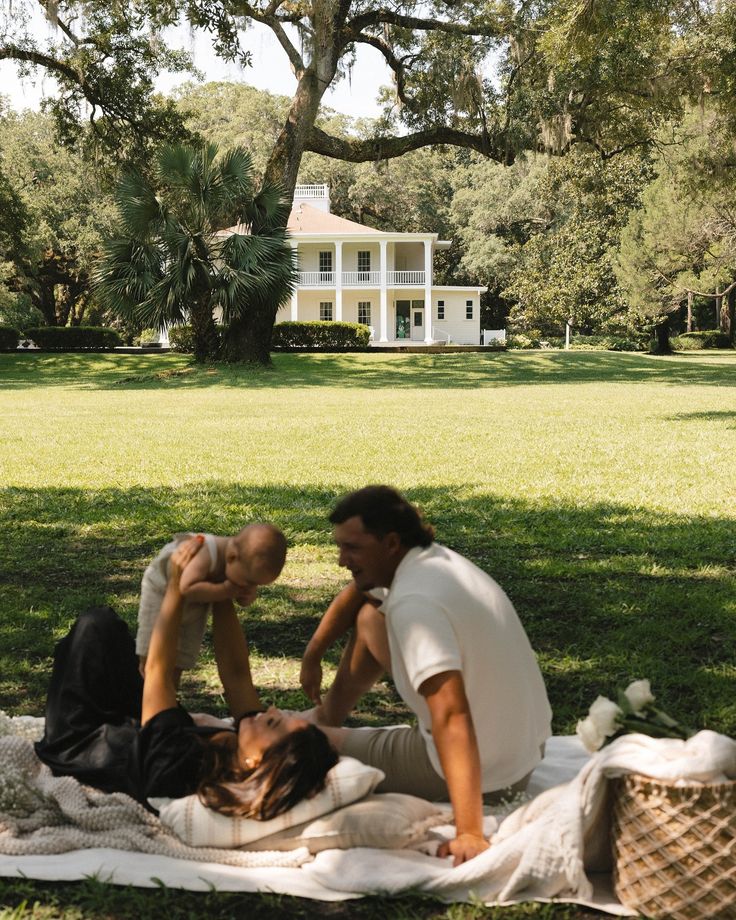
<point>361,279</point>
<point>411,279</point>
<point>316,279</point>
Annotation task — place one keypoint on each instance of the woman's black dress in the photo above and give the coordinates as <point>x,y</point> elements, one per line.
<point>93,729</point>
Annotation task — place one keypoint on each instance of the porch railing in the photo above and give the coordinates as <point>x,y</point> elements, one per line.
<point>358,279</point>
<point>312,191</point>
<point>396,278</point>
<point>316,279</point>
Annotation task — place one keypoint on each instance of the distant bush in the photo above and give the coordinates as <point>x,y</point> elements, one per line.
<point>521,341</point>
<point>9,338</point>
<point>147,337</point>
<point>325,336</point>
<point>534,339</point>
<point>606,343</point>
<point>181,338</point>
<point>74,338</point>
<point>695,341</point>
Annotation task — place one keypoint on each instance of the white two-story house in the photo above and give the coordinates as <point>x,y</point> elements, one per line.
<point>356,274</point>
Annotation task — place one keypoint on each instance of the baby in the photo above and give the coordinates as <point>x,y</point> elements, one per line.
<point>225,568</point>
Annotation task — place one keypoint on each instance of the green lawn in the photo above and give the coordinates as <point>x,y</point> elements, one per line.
<point>597,488</point>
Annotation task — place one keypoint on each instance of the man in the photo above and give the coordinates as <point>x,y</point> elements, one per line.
<point>458,655</point>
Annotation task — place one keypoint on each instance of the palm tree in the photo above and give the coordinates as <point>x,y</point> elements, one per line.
<point>175,260</point>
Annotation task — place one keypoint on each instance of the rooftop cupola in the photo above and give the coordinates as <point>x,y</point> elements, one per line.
<point>318,196</point>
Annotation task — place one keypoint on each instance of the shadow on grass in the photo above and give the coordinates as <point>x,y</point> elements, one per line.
<point>607,593</point>
<point>365,371</point>
<point>714,416</point>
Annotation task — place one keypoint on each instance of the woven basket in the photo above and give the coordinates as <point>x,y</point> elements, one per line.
<point>674,848</point>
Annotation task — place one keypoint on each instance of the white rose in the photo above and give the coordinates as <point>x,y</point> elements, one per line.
<point>639,695</point>
<point>606,716</point>
<point>590,736</point>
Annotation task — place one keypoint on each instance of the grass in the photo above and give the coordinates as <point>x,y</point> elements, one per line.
<point>595,487</point>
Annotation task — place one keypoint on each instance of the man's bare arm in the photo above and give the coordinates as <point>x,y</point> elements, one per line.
<point>337,620</point>
<point>454,735</point>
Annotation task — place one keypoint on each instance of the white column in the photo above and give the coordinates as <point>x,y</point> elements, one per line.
<point>338,281</point>
<point>383,326</point>
<point>428,337</point>
<point>295,292</point>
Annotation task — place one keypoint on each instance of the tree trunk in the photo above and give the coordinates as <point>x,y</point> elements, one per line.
<point>723,317</point>
<point>44,298</point>
<point>731,300</point>
<point>248,339</point>
<point>719,301</point>
<point>662,337</point>
<point>286,157</point>
<point>689,311</point>
<point>204,330</point>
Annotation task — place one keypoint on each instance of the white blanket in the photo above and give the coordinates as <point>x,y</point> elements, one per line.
<point>540,851</point>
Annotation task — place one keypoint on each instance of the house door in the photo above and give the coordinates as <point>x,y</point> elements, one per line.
<point>417,320</point>
<point>403,310</point>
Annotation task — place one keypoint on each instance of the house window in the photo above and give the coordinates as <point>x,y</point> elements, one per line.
<point>468,309</point>
<point>364,260</point>
<point>440,309</point>
<point>325,265</point>
<point>325,310</point>
<point>364,312</point>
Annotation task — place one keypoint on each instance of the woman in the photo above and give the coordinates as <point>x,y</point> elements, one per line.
<point>110,728</point>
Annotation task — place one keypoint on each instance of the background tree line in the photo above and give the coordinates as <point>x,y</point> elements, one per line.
<point>611,245</point>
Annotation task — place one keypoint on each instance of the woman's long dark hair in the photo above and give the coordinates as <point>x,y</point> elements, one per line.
<point>292,769</point>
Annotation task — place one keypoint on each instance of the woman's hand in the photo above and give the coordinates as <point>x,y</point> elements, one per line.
<point>182,556</point>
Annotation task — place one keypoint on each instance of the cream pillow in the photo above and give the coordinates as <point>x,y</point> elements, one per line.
<point>199,826</point>
<point>388,820</point>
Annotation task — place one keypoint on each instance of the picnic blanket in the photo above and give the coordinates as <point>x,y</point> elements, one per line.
<point>546,849</point>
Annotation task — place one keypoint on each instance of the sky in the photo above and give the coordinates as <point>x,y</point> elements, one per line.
<point>270,71</point>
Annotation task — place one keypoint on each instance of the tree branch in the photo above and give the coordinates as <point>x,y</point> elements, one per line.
<point>384,16</point>
<point>396,65</point>
<point>15,53</point>
<point>295,59</point>
<point>386,148</point>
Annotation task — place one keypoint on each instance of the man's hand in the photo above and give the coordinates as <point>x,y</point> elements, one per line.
<point>310,678</point>
<point>463,848</point>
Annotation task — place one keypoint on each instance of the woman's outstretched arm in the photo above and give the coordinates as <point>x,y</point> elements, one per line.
<point>159,684</point>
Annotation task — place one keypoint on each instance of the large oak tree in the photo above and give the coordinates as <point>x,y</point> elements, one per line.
<point>496,76</point>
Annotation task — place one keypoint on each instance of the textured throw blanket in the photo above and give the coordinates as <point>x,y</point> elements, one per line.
<point>44,814</point>
<point>545,849</point>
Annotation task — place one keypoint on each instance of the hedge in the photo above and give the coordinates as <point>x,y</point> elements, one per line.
<point>181,338</point>
<point>323,335</point>
<point>707,338</point>
<point>9,338</point>
<point>74,338</point>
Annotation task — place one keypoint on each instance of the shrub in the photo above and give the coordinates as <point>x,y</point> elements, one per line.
<point>606,343</point>
<point>9,338</point>
<point>520,341</point>
<point>147,337</point>
<point>181,338</point>
<point>694,341</point>
<point>325,336</point>
<point>74,338</point>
